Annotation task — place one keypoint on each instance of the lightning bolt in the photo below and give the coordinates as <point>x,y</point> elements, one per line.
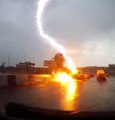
<point>39,17</point>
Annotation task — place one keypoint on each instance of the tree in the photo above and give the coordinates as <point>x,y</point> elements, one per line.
<point>59,60</point>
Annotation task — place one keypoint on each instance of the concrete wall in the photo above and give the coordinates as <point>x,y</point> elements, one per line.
<point>19,78</point>
<point>3,80</point>
<point>16,79</point>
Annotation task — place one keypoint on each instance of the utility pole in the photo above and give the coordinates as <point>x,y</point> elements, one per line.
<point>25,57</point>
<point>8,60</point>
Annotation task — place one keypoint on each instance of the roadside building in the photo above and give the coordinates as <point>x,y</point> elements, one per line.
<point>27,67</point>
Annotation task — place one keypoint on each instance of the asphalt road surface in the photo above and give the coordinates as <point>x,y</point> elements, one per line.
<point>88,95</point>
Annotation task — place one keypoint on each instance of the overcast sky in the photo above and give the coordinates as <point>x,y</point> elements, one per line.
<point>86,28</point>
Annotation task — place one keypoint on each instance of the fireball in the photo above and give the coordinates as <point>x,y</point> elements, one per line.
<point>63,77</point>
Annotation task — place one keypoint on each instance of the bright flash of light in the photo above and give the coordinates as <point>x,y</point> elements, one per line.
<point>71,91</point>
<point>63,78</point>
<point>70,85</point>
<point>68,82</point>
<point>39,15</point>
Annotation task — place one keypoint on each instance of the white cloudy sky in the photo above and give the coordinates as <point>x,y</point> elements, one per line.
<point>86,28</point>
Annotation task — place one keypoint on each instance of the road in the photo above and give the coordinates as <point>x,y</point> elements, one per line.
<point>88,95</point>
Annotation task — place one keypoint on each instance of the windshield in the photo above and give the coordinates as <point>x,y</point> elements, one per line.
<point>58,54</point>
